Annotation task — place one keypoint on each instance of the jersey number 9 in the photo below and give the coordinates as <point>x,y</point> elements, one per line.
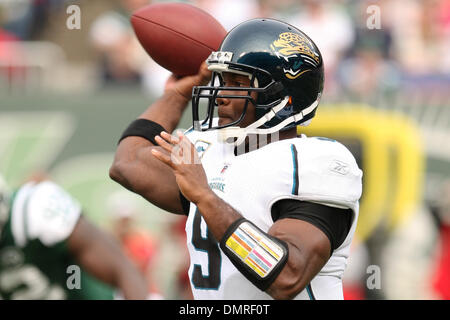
<point>211,247</point>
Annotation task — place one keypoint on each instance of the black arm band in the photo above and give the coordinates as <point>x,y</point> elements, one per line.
<point>335,223</point>
<point>257,255</point>
<point>144,128</point>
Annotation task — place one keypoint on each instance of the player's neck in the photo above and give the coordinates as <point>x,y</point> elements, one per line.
<point>259,143</point>
<point>288,134</point>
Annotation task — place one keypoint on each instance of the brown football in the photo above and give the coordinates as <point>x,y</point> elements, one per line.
<point>178,36</point>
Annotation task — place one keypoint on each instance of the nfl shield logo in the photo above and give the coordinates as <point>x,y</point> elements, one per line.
<point>201,146</point>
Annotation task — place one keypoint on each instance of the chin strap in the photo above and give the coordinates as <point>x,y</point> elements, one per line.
<point>237,135</point>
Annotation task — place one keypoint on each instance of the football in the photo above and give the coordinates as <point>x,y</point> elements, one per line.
<point>177,36</point>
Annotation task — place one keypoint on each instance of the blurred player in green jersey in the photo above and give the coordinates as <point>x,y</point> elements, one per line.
<point>48,250</point>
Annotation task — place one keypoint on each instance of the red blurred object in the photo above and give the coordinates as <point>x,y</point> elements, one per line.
<point>6,36</point>
<point>441,279</point>
<point>10,55</point>
<point>140,248</point>
<point>178,36</point>
<point>354,292</point>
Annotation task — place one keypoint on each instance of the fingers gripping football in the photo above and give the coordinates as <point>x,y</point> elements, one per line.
<point>183,85</point>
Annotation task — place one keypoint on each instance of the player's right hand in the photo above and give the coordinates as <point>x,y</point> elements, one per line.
<point>183,86</point>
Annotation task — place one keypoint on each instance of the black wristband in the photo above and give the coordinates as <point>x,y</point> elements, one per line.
<point>144,128</point>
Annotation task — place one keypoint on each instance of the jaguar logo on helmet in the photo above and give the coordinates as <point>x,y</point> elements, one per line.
<point>298,51</point>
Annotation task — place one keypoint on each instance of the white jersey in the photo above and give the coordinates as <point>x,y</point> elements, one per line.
<point>309,169</point>
<point>44,212</point>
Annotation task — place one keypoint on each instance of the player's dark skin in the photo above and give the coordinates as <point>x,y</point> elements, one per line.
<point>101,256</point>
<point>158,174</point>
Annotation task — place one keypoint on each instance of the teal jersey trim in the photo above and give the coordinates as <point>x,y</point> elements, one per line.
<point>295,174</point>
<point>310,292</point>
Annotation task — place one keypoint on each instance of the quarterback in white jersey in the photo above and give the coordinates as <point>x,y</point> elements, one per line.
<point>308,169</point>
<point>270,214</point>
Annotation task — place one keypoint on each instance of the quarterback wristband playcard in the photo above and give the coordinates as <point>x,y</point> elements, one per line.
<point>257,255</point>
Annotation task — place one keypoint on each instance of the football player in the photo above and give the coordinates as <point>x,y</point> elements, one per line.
<point>48,250</point>
<point>270,214</point>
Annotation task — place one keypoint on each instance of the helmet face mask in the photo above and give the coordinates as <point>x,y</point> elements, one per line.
<point>221,91</point>
<point>285,69</point>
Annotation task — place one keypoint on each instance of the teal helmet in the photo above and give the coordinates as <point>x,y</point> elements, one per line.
<point>285,69</point>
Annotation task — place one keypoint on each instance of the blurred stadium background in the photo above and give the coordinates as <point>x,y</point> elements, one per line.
<point>66,95</point>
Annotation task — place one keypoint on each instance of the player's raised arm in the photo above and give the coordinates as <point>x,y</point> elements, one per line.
<point>101,256</point>
<point>134,166</point>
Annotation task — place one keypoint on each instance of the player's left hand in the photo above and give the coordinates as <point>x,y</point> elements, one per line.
<point>183,86</point>
<point>180,155</point>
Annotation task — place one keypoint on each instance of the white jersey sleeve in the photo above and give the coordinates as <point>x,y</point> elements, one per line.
<point>45,212</point>
<point>308,169</point>
<point>327,173</point>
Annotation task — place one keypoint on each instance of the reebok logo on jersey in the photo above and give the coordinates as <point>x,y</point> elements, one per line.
<point>339,167</point>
